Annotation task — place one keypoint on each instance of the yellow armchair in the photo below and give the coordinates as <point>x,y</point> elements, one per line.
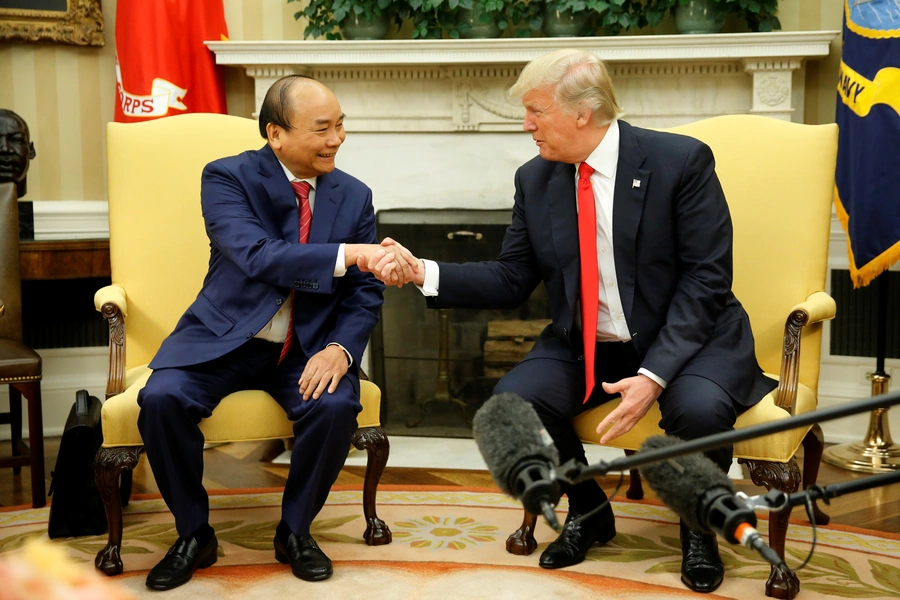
<point>778,179</point>
<point>158,254</point>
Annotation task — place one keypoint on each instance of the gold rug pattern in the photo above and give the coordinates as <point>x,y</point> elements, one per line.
<point>450,543</point>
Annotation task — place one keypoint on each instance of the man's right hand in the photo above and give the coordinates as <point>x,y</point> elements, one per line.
<point>394,252</point>
<point>389,265</point>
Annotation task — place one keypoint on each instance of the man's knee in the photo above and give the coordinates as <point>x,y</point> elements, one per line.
<point>694,406</point>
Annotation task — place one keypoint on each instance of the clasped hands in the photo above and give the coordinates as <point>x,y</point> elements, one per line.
<point>390,262</point>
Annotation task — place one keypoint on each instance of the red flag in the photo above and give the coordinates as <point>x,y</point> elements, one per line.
<point>162,66</point>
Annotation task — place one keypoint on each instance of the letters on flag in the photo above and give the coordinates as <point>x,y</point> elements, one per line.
<point>162,65</point>
<point>867,177</point>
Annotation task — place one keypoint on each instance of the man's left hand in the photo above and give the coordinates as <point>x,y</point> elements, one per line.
<point>324,369</point>
<point>638,395</point>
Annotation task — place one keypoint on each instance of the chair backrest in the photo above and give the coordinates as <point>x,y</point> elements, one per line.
<point>10,283</point>
<point>778,179</point>
<point>159,251</point>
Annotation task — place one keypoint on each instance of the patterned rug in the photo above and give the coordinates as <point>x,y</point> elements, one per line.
<point>450,543</point>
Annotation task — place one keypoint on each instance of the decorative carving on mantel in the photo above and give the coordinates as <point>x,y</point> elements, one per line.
<point>445,86</point>
<point>773,90</point>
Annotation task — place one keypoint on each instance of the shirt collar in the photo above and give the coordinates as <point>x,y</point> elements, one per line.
<point>290,176</point>
<point>605,157</point>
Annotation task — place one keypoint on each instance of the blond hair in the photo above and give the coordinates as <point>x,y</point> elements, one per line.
<point>579,78</point>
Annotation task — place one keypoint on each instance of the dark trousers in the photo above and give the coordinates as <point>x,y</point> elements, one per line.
<point>174,401</point>
<point>691,406</point>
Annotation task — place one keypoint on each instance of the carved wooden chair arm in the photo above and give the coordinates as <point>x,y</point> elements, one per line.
<point>818,307</point>
<point>112,304</point>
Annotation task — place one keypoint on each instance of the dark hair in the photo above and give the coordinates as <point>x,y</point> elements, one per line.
<point>276,107</point>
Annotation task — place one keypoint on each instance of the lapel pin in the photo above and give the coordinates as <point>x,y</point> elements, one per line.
<point>635,183</point>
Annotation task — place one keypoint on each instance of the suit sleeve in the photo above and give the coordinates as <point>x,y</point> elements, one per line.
<point>506,282</point>
<point>236,231</point>
<point>704,246</point>
<point>360,295</point>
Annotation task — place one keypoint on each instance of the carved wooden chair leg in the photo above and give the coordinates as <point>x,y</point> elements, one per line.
<point>32,392</point>
<point>108,466</point>
<point>522,541</point>
<point>784,477</point>
<point>813,446</point>
<point>15,424</point>
<point>635,489</point>
<point>375,442</point>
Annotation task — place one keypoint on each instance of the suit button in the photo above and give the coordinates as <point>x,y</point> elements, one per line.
<point>565,331</point>
<point>296,283</point>
<point>315,286</point>
<point>278,302</point>
<point>249,335</point>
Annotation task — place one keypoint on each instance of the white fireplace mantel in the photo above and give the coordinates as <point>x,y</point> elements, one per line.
<point>459,85</point>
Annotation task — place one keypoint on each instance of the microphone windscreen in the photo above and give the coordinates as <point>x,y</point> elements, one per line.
<point>681,482</point>
<point>507,429</point>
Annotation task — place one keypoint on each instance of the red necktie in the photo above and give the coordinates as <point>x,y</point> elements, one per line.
<point>590,280</point>
<point>301,188</point>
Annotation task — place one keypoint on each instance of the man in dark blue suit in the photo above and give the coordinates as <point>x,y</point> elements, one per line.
<point>642,252</point>
<point>284,309</point>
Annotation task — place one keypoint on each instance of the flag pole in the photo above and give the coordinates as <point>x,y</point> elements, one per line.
<point>877,453</point>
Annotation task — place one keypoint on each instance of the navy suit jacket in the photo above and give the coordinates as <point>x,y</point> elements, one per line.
<point>255,260</point>
<point>672,243</point>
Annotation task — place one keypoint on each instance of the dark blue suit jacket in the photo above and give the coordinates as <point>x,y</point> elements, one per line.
<point>255,261</point>
<point>672,242</point>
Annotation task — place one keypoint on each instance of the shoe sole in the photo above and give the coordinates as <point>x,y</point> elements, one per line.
<point>202,565</point>
<point>283,559</point>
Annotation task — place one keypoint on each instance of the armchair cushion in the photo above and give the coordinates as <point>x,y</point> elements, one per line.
<point>778,447</point>
<point>231,421</point>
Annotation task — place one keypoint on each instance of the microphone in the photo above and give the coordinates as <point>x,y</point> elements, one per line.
<point>703,496</point>
<point>519,453</point>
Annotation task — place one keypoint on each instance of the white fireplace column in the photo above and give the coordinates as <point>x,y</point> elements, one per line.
<point>772,86</point>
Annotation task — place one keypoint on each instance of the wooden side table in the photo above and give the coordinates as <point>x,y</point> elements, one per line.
<point>63,259</point>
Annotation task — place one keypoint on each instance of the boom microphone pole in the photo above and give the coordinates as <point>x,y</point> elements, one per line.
<point>776,501</point>
<point>575,472</point>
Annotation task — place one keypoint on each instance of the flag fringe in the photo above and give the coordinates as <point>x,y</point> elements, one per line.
<point>864,275</point>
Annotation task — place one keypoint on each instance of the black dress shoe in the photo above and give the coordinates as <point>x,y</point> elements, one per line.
<point>573,543</point>
<point>179,564</point>
<point>701,566</point>
<point>307,561</point>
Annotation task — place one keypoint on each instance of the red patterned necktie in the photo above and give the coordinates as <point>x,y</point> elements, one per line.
<point>590,279</point>
<point>301,188</point>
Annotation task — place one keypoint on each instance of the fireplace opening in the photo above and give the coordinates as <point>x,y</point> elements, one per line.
<point>436,367</point>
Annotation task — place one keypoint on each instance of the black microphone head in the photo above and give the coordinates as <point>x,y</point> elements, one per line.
<point>682,482</point>
<point>508,430</point>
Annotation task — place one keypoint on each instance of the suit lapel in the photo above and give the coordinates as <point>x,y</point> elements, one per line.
<point>563,219</point>
<point>628,206</point>
<point>328,201</point>
<point>284,202</point>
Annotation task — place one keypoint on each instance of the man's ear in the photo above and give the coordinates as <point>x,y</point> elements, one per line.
<point>273,133</point>
<point>584,115</point>
<point>31,152</point>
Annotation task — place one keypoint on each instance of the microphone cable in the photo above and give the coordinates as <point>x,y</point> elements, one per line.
<point>608,502</point>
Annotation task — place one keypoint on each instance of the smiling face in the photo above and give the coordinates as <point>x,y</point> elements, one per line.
<point>308,149</point>
<point>16,150</point>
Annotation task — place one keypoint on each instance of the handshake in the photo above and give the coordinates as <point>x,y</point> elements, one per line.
<point>390,262</point>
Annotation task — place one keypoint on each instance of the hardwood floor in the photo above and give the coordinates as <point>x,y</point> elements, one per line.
<point>247,465</point>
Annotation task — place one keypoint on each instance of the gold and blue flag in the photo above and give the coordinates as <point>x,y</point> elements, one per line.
<point>867,177</point>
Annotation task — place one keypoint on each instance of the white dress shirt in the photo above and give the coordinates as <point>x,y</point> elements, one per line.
<point>611,322</point>
<point>276,330</point>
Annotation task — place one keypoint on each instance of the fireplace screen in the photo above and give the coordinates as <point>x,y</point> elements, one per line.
<point>436,367</point>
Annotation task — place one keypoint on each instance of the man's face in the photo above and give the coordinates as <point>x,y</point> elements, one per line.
<point>16,150</point>
<point>552,128</point>
<point>309,149</point>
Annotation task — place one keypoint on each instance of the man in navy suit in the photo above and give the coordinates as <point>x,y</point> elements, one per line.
<point>642,251</point>
<point>283,309</point>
